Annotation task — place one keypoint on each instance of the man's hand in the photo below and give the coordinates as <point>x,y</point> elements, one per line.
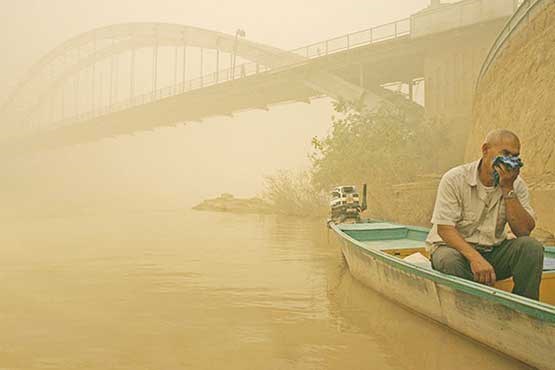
<point>507,177</point>
<point>482,270</point>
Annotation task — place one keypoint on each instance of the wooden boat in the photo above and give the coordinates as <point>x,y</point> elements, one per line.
<point>519,327</point>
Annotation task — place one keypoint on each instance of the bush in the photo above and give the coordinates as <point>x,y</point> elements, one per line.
<point>293,193</point>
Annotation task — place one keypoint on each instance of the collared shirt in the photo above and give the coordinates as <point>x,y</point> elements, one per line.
<point>478,215</point>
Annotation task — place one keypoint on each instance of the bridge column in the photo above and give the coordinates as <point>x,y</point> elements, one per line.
<point>110,98</point>
<point>132,75</point>
<point>62,92</point>
<point>201,67</point>
<point>51,109</point>
<point>217,61</point>
<point>450,72</point>
<point>155,68</point>
<point>451,63</point>
<point>63,113</point>
<point>76,95</point>
<point>184,61</point>
<point>100,92</point>
<point>116,77</point>
<point>450,75</point>
<point>229,71</point>
<point>76,85</point>
<point>93,76</point>
<point>175,70</point>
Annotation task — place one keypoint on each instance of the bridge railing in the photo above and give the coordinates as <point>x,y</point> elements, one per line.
<point>526,10</point>
<point>372,35</point>
<point>365,37</point>
<point>368,36</point>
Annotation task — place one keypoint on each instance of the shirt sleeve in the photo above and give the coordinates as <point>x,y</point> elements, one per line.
<point>447,209</point>
<point>521,190</point>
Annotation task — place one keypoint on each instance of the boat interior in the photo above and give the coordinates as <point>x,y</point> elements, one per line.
<point>408,243</point>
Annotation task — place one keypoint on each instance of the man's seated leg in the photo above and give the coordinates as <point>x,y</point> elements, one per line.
<point>521,258</point>
<point>450,261</point>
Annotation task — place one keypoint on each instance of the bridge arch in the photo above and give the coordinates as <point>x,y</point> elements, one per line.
<point>90,48</point>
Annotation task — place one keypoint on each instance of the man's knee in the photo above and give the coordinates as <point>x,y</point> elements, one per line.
<point>450,261</point>
<point>529,249</point>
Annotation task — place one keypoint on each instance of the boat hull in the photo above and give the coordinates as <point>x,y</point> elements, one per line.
<point>463,306</point>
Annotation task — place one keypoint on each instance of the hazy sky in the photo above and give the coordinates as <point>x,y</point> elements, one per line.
<point>200,159</point>
<point>31,28</point>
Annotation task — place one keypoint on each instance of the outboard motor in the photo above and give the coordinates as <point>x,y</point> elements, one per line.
<point>345,205</point>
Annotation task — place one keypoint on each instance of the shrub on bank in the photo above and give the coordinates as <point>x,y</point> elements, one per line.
<point>293,193</point>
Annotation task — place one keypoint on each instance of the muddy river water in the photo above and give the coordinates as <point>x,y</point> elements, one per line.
<point>179,289</point>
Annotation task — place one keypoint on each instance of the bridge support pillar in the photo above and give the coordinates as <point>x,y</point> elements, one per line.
<point>184,72</point>
<point>175,69</point>
<point>450,76</point>
<point>155,69</point>
<point>217,65</point>
<point>93,76</point>
<point>201,67</point>
<point>132,75</point>
<point>450,73</point>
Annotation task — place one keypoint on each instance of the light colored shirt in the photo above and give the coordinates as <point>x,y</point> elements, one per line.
<point>477,212</point>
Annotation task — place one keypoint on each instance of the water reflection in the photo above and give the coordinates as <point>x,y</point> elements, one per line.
<point>181,289</point>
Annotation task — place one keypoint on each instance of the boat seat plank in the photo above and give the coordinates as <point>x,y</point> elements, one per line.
<point>385,245</point>
<point>548,264</point>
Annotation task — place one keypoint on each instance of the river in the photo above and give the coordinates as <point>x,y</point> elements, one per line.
<point>179,289</point>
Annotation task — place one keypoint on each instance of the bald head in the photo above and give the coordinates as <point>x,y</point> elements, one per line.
<point>500,142</point>
<point>501,136</point>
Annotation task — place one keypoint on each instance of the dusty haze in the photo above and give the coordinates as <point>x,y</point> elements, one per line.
<point>177,165</point>
<point>104,266</point>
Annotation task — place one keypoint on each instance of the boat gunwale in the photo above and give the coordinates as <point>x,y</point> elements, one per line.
<point>539,310</point>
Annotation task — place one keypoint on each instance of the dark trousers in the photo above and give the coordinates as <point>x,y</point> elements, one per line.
<point>521,258</point>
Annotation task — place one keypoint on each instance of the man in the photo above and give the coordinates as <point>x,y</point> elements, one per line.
<point>468,238</point>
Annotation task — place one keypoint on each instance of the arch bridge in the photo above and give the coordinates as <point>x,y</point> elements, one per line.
<point>131,77</point>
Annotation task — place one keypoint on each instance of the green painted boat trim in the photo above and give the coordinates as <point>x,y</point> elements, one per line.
<point>539,310</point>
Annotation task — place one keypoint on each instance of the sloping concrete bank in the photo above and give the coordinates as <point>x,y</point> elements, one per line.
<point>518,93</point>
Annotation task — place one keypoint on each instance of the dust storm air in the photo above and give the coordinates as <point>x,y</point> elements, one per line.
<point>167,168</point>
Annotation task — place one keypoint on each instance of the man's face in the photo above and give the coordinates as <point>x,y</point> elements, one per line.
<point>508,148</point>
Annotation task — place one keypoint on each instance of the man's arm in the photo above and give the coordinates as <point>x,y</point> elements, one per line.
<point>518,218</point>
<point>481,269</point>
<point>520,221</point>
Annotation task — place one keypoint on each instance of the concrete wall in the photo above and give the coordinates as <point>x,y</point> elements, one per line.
<point>518,93</point>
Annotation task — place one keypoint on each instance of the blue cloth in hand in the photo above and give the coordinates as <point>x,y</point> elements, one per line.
<point>511,163</point>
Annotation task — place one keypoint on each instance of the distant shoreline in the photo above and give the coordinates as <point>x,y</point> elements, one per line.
<point>228,203</point>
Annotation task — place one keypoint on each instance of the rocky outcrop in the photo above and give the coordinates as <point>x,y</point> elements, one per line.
<point>228,203</point>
